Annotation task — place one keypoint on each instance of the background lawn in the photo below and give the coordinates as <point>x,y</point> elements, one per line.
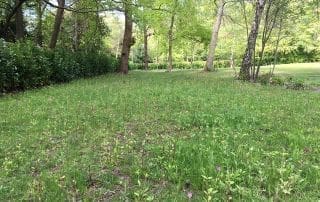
<point>308,72</point>
<point>162,136</point>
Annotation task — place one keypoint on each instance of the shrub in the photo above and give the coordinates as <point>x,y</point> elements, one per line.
<point>93,64</point>
<point>267,79</point>
<point>264,79</point>
<point>24,65</point>
<point>63,65</point>
<point>274,80</point>
<point>181,65</point>
<point>289,83</point>
<point>294,84</point>
<point>8,74</point>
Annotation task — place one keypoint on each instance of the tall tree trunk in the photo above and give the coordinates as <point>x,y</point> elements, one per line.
<point>170,38</point>
<point>19,22</point>
<point>57,24</point>
<point>252,39</point>
<point>127,41</point>
<point>214,38</point>
<point>146,55</point>
<point>39,34</point>
<point>76,33</point>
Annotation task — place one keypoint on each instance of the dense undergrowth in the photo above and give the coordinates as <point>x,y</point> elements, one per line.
<point>160,136</point>
<point>24,65</point>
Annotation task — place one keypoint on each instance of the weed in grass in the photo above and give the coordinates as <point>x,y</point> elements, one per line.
<point>159,136</point>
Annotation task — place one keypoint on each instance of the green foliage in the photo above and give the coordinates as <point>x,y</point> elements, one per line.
<point>156,136</point>
<point>181,65</point>
<point>289,82</point>
<point>295,84</point>
<point>63,65</point>
<point>25,66</point>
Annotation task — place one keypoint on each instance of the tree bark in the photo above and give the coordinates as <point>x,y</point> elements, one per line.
<point>146,55</point>
<point>170,38</point>
<point>57,24</point>
<point>4,26</point>
<point>214,38</point>
<point>39,34</point>
<point>252,39</point>
<point>127,41</point>
<point>19,22</point>
<point>76,33</point>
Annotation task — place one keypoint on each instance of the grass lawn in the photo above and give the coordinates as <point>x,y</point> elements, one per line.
<point>160,136</point>
<point>308,72</point>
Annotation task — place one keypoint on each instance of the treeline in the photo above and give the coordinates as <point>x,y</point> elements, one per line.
<point>52,41</point>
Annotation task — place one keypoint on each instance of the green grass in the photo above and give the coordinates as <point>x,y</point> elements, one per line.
<point>157,136</point>
<point>308,72</point>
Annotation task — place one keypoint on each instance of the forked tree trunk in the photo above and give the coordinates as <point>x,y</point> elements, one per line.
<point>57,24</point>
<point>127,42</point>
<point>19,22</point>
<point>170,38</point>
<point>214,38</point>
<point>252,39</point>
<point>146,55</point>
<point>269,24</point>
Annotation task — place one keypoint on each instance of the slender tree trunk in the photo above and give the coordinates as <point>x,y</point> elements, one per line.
<point>146,55</point>
<point>232,60</point>
<point>214,38</point>
<point>127,42</point>
<point>76,33</point>
<point>19,22</point>
<point>244,11</point>
<point>39,34</point>
<point>193,54</point>
<point>118,48</point>
<point>170,36</point>
<point>57,24</point>
<point>252,39</point>
<point>275,57</point>
<point>270,20</point>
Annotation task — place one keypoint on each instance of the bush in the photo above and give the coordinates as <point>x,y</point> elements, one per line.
<point>267,79</point>
<point>264,79</point>
<point>277,81</point>
<point>24,66</point>
<point>295,84</point>
<point>182,65</point>
<point>63,65</point>
<point>93,64</point>
<point>289,83</point>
